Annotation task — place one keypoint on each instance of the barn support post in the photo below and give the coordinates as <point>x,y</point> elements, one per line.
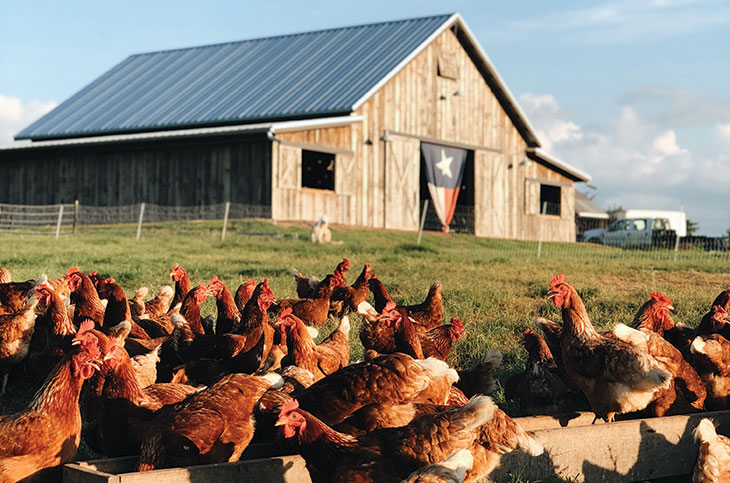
<point>141,217</point>
<point>542,228</point>
<point>225,220</point>
<point>76,216</point>
<point>58,222</point>
<point>423,221</point>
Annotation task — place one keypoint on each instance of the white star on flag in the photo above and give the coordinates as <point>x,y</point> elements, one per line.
<point>445,164</point>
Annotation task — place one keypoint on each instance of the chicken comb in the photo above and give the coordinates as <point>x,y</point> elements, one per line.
<point>72,270</point>
<point>343,266</point>
<point>93,272</point>
<point>86,326</point>
<point>529,332</point>
<point>175,267</point>
<point>214,280</point>
<point>373,276</point>
<point>249,281</point>
<point>557,280</point>
<point>110,280</point>
<point>288,407</point>
<point>389,307</point>
<point>458,324</point>
<point>266,289</point>
<point>660,297</point>
<point>719,309</point>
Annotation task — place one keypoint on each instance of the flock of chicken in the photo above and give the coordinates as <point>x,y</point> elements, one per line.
<point>154,378</point>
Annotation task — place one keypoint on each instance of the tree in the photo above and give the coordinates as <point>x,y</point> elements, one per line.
<point>613,212</point>
<point>692,227</point>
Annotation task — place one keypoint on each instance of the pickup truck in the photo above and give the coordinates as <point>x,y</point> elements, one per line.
<point>634,233</point>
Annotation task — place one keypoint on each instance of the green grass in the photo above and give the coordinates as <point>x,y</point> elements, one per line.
<point>496,287</point>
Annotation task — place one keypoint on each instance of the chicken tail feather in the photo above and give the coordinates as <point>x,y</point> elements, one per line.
<point>705,431</point>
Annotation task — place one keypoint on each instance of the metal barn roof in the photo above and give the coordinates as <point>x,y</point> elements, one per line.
<point>311,74</point>
<point>587,208</point>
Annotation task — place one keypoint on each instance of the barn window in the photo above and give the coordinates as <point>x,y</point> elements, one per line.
<point>318,170</point>
<point>550,199</point>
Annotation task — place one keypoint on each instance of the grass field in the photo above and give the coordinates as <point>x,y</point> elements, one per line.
<point>495,287</point>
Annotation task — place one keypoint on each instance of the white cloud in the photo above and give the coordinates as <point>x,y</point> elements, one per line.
<point>624,21</point>
<point>545,113</point>
<point>16,115</point>
<point>666,144</point>
<point>641,163</point>
<point>724,131</point>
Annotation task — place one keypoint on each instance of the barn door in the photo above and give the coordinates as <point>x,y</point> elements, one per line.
<point>402,178</point>
<point>490,198</point>
<point>290,167</point>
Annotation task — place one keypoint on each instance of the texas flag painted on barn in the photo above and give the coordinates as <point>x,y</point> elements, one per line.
<point>444,168</point>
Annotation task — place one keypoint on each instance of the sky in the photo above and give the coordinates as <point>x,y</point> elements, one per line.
<point>636,93</point>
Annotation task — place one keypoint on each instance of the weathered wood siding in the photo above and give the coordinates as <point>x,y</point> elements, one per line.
<point>420,103</point>
<point>190,173</point>
<point>292,202</point>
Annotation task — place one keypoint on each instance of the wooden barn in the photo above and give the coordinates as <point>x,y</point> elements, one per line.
<point>328,122</point>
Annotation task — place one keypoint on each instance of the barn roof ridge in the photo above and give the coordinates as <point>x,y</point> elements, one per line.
<point>445,16</point>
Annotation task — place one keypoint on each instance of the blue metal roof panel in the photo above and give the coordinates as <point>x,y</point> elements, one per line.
<point>288,76</point>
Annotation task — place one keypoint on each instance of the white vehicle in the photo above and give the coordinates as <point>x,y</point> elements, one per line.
<point>634,233</point>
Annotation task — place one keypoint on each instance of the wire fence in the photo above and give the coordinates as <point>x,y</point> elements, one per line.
<point>66,219</point>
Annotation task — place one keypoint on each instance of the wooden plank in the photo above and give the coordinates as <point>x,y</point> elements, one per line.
<point>81,473</point>
<point>444,141</point>
<point>535,423</point>
<point>317,147</point>
<point>623,451</point>
<point>284,469</point>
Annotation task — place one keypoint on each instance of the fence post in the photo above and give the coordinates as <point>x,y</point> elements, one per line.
<point>76,216</point>
<point>225,220</point>
<point>542,226</point>
<point>60,219</point>
<point>423,221</point>
<point>676,245</point>
<point>141,216</point>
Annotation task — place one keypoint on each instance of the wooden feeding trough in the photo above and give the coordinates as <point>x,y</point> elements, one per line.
<point>285,469</point>
<point>576,450</point>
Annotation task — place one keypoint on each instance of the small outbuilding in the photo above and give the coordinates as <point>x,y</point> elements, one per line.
<point>336,122</point>
<point>588,215</point>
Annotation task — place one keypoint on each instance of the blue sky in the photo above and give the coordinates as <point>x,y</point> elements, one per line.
<point>637,93</point>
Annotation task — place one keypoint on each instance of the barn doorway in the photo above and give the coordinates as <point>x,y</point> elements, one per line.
<point>463,221</point>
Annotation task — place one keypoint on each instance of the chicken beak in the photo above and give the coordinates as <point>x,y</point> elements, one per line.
<point>280,422</point>
<point>671,307</point>
<point>76,342</point>
<point>552,293</point>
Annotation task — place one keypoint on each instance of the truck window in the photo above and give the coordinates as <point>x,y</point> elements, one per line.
<point>659,224</point>
<point>640,225</point>
<point>621,225</point>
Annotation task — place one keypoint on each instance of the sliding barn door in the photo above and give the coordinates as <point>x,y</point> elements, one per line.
<point>402,183</point>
